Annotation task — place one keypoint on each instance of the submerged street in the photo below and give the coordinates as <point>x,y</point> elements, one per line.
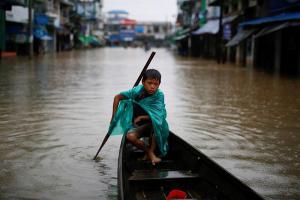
<point>55,111</point>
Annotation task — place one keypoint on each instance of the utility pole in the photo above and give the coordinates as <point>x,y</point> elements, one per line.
<point>220,38</point>
<point>2,31</point>
<point>30,26</point>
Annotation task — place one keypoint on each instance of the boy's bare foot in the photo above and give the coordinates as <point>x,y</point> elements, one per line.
<point>153,158</point>
<point>155,161</point>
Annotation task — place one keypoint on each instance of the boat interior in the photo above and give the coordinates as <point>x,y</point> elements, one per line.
<point>184,168</point>
<point>177,171</point>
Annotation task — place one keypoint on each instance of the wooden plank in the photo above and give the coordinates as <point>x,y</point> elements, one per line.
<point>147,165</point>
<point>156,195</point>
<point>141,175</point>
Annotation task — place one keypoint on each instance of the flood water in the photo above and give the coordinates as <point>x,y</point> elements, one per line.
<point>55,111</point>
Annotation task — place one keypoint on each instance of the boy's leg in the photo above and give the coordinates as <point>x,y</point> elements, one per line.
<point>150,151</point>
<point>134,135</point>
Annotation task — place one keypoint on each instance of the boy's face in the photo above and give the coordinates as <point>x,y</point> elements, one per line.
<point>151,85</point>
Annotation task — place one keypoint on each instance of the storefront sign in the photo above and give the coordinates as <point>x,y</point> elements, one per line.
<point>227,32</point>
<point>17,14</point>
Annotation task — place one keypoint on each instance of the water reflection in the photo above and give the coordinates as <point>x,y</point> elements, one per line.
<point>54,112</point>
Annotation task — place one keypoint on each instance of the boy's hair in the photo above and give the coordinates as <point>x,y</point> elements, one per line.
<point>151,74</point>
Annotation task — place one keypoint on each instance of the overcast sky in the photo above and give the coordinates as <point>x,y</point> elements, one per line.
<point>145,10</point>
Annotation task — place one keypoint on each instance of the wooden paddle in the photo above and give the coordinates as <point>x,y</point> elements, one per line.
<point>136,83</point>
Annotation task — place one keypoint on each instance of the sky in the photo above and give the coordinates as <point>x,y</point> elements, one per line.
<point>145,10</point>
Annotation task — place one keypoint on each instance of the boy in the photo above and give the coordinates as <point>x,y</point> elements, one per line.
<point>141,112</point>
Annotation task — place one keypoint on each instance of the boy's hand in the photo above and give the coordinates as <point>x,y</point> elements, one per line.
<point>140,118</point>
<point>137,120</point>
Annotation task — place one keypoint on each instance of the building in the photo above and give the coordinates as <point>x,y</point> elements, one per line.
<point>153,33</point>
<point>88,21</point>
<point>268,36</point>
<point>55,25</point>
<point>184,25</point>
<point>13,27</point>
<point>206,39</point>
<point>114,22</point>
<point>255,33</point>
<point>45,25</point>
<point>64,35</point>
<point>127,32</point>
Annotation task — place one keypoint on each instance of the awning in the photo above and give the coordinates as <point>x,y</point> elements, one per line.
<point>95,41</point>
<point>229,19</point>
<point>180,37</point>
<point>277,18</point>
<point>90,39</point>
<point>271,29</point>
<point>52,15</point>
<point>41,19</point>
<point>41,33</point>
<point>211,27</point>
<point>181,33</point>
<point>240,36</point>
<point>84,39</point>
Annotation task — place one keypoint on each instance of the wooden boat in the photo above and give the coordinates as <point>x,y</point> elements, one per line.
<point>184,168</point>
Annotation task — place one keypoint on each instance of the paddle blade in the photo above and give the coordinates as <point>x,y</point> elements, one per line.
<point>103,142</point>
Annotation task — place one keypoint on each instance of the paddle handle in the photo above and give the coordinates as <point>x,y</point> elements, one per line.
<point>145,68</point>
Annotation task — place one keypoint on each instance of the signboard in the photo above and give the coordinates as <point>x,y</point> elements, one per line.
<point>17,14</point>
<point>227,31</point>
<point>139,29</point>
<point>127,35</point>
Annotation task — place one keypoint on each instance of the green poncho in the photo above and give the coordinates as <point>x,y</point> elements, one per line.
<point>154,105</point>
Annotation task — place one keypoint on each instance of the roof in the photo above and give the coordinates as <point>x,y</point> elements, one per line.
<point>128,22</point>
<point>211,27</point>
<point>270,29</point>
<point>117,12</point>
<point>271,19</point>
<point>240,36</point>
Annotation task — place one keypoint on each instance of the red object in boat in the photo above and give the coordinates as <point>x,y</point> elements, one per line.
<point>176,194</point>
